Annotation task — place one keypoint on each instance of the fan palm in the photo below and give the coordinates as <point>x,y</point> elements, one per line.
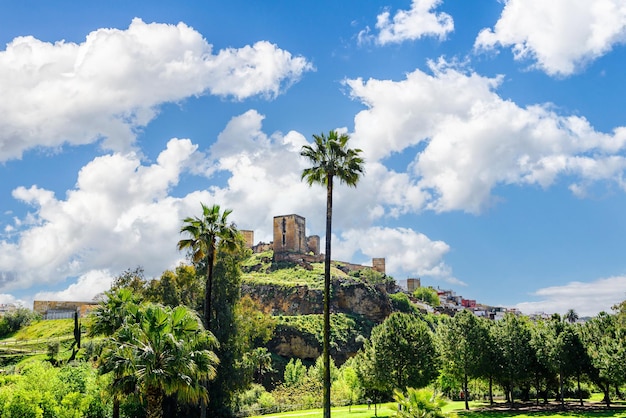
<point>161,351</point>
<point>330,158</point>
<point>205,233</point>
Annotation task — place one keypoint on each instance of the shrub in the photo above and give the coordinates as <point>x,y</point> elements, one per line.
<point>418,403</point>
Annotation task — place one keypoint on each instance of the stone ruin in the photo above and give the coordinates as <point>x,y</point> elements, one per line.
<point>291,243</point>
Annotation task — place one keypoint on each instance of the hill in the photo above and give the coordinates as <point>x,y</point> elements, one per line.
<point>292,292</point>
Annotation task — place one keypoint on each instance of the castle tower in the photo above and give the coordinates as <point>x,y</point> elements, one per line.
<point>412,284</point>
<point>248,236</point>
<point>378,264</point>
<point>289,234</point>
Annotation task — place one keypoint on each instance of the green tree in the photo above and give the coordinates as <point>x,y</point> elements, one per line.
<point>163,351</point>
<point>542,341</point>
<point>461,345</point>
<point>181,286</point>
<point>404,353</point>
<point>295,372</point>
<point>204,234</point>
<point>606,346</point>
<point>512,337</point>
<point>427,295</point>
<point>330,158</point>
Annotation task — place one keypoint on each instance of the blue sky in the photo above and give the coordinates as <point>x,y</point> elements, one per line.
<point>493,133</point>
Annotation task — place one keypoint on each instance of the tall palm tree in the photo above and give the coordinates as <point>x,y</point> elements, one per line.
<point>161,351</point>
<point>330,158</point>
<point>205,233</point>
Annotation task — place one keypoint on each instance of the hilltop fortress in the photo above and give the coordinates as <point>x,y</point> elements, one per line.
<point>291,244</point>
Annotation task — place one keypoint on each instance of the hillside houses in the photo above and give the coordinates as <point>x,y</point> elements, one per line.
<point>451,303</point>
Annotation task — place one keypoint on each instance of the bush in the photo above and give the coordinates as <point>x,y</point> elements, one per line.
<point>418,403</point>
<point>401,303</point>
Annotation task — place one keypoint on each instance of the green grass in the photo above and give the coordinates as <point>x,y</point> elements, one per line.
<point>357,411</point>
<point>31,342</point>
<point>259,269</point>
<point>387,411</point>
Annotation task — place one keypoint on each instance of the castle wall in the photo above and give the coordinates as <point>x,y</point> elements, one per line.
<point>289,234</point>
<point>45,306</point>
<point>313,244</point>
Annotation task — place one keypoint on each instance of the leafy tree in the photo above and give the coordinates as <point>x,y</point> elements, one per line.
<point>295,372</point>
<point>571,357</point>
<point>348,386</point>
<point>162,351</point>
<point>461,344</point>
<point>513,339</point>
<point>205,233</point>
<point>14,320</point>
<point>404,353</point>
<point>181,286</point>
<point>132,279</point>
<point>330,158</point>
<point>401,303</point>
<point>427,295</point>
<point>542,341</point>
<point>606,347</point>
<point>232,330</point>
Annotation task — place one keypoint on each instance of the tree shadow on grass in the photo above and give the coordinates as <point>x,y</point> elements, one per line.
<point>549,410</point>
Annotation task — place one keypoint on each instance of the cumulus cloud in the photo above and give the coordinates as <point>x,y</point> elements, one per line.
<point>407,253</point>
<point>561,36</point>
<point>107,222</point>
<point>84,289</point>
<point>412,24</point>
<point>586,298</point>
<point>110,86</point>
<point>467,140</point>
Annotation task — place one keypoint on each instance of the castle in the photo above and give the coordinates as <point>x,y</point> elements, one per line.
<point>291,243</point>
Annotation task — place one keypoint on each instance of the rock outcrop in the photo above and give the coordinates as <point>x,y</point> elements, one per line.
<point>347,296</point>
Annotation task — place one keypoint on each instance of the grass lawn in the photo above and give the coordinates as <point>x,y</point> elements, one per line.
<point>357,411</point>
<point>476,411</point>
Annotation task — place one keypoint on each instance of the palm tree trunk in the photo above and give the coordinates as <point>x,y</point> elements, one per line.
<point>154,399</point>
<point>327,259</point>
<point>116,407</point>
<point>208,288</point>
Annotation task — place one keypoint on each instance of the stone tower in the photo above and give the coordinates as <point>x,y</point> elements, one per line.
<point>290,234</point>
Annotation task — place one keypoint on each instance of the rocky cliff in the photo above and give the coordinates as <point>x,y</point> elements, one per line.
<point>350,296</point>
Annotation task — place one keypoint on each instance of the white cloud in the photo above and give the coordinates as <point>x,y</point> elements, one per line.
<point>105,223</point>
<point>560,35</point>
<point>407,253</point>
<point>586,298</point>
<point>84,289</point>
<point>112,223</point>
<point>111,85</point>
<point>408,25</point>
<point>467,140</point>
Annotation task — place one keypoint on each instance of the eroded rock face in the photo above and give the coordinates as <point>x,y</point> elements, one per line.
<point>347,296</point>
<point>288,342</point>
